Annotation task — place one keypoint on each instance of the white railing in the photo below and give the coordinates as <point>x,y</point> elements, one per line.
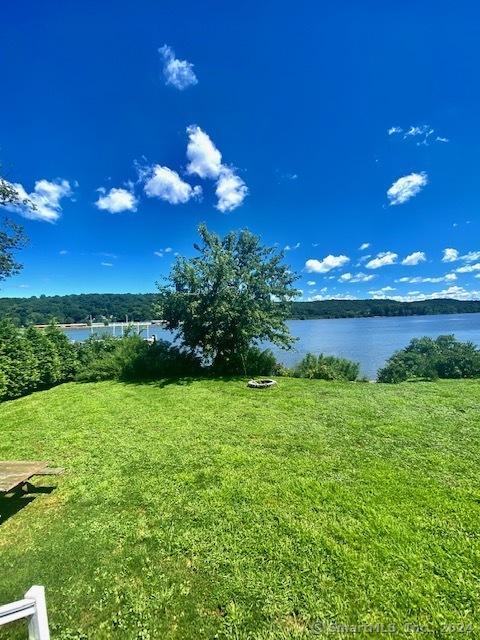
<point>34,607</point>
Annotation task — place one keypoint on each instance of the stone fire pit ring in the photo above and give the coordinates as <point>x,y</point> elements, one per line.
<point>265,383</point>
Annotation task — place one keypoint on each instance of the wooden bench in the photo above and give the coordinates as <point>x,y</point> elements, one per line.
<point>16,473</point>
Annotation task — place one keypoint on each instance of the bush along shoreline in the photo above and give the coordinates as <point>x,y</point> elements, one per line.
<point>430,359</point>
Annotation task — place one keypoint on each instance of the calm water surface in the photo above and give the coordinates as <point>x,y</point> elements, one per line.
<point>369,341</point>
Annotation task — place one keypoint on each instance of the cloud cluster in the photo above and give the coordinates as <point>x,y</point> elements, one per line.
<point>423,134</point>
<point>356,277</point>
<point>449,277</point>
<point>205,161</point>
<point>381,294</point>
<point>469,268</point>
<point>46,200</point>
<point>177,73</point>
<point>161,252</point>
<point>454,292</point>
<point>116,200</point>
<point>406,187</point>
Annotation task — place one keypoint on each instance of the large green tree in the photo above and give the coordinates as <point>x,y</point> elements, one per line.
<point>12,237</point>
<point>234,294</point>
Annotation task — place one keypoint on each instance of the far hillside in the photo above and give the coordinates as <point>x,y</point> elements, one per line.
<point>111,307</point>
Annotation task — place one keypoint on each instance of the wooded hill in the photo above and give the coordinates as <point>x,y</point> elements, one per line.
<point>138,306</point>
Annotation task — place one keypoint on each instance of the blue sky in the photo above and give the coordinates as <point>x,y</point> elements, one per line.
<point>320,126</point>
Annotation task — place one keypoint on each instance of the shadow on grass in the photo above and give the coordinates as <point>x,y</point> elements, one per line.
<point>183,381</point>
<point>13,502</point>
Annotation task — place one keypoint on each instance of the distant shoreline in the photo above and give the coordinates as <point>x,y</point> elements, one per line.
<point>73,311</point>
<point>159,323</point>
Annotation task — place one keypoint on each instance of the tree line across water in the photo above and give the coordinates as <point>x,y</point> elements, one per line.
<point>116,307</point>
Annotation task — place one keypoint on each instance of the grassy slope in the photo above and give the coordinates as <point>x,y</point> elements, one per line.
<point>202,509</point>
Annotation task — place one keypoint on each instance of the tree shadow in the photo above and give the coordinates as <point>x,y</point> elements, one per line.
<point>13,502</point>
<point>183,381</point>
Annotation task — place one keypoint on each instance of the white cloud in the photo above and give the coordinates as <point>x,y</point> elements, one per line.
<point>406,187</point>
<point>414,258</point>
<point>167,185</point>
<point>63,252</point>
<point>45,197</point>
<point>471,256</point>
<point>205,160</point>
<point>380,294</point>
<point>311,283</point>
<point>161,252</point>
<point>449,277</point>
<point>231,191</point>
<point>424,132</point>
<point>362,277</point>
<point>327,264</point>
<point>356,277</point>
<point>178,73</point>
<point>382,260</point>
<point>364,246</point>
<point>291,247</point>
<point>469,268</point>
<point>106,264</point>
<point>117,200</point>
<point>450,255</point>
<point>337,296</point>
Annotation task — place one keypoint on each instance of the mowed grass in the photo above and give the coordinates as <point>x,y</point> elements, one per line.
<point>209,510</point>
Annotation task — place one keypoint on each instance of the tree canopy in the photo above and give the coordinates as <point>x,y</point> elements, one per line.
<point>234,294</point>
<point>12,237</point>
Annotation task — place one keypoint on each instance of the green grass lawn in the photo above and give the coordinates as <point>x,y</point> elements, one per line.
<point>208,510</point>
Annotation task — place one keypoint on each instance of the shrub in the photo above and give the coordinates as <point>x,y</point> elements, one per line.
<point>3,380</point>
<point>326,368</point>
<point>106,368</point>
<point>66,351</point>
<point>254,362</point>
<point>18,363</point>
<point>94,348</point>
<point>49,365</point>
<point>428,359</point>
<point>132,358</point>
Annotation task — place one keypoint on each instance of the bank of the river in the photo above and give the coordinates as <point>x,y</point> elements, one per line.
<point>369,341</point>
